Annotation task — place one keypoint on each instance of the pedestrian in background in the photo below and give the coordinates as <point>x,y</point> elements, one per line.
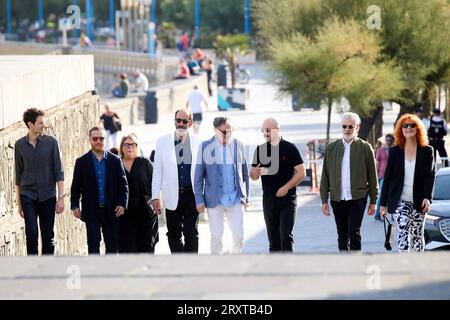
<point>195,102</point>
<point>110,120</point>
<point>382,156</point>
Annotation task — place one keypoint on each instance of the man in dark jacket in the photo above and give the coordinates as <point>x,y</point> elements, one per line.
<point>99,178</point>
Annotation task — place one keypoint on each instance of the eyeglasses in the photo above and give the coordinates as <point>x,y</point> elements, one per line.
<point>344,126</point>
<point>185,121</point>
<point>267,130</point>
<point>130,145</point>
<point>409,125</point>
<point>95,139</point>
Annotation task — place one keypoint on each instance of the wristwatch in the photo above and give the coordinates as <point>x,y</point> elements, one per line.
<point>61,196</point>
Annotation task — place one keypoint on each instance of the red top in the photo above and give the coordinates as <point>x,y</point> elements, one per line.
<point>184,70</point>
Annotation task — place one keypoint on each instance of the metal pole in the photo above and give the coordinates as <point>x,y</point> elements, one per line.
<point>111,14</point>
<point>89,16</point>
<point>151,39</point>
<point>247,17</point>
<point>76,31</point>
<point>197,19</point>
<point>8,17</point>
<point>135,26</point>
<point>153,11</point>
<point>40,13</point>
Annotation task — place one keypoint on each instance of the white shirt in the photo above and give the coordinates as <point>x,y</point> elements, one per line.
<point>407,193</point>
<point>195,99</point>
<point>346,187</point>
<point>142,83</point>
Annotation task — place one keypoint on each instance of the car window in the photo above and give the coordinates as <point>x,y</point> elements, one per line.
<point>442,188</point>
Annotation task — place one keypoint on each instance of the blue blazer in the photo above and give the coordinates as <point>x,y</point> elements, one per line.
<point>84,185</point>
<point>208,173</point>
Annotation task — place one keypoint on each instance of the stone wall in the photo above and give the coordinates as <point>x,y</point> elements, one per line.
<point>69,122</point>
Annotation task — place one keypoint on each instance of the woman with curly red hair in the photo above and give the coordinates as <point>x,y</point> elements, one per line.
<point>408,182</point>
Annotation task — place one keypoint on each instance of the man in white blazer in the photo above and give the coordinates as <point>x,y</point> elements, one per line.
<point>173,177</point>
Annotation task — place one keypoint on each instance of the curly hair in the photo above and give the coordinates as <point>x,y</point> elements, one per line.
<point>422,135</point>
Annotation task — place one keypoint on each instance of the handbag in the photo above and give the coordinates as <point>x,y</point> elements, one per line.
<point>118,125</point>
<point>387,233</point>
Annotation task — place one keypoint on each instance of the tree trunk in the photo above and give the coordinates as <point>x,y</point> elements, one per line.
<point>330,105</point>
<point>429,98</point>
<point>372,126</point>
<point>232,66</point>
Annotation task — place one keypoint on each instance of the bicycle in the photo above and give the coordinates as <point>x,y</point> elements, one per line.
<point>242,75</point>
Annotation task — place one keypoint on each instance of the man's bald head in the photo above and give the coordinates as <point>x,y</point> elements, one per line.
<point>270,130</point>
<point>270,123</point>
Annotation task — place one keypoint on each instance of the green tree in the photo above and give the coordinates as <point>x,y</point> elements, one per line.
<point>228,47</point>
<point>341,61</point>
<point>414,36</point>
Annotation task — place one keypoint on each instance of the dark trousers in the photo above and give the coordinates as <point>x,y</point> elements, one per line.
<point>279,215</point>
<point>439,146</point>
<point>110,230</point>
<point>45,210</point>
<point>138,231</point>
<point>349,216</point>
<point>183,220</point>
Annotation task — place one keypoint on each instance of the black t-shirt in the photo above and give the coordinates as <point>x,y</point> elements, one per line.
<point>108,122</point>
<point>280,162</point>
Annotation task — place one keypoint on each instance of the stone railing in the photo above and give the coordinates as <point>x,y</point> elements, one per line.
<point>69,122</point>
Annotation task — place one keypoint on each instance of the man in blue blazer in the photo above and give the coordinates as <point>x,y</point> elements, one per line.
<point>99,179</point>
<point>221,184</point>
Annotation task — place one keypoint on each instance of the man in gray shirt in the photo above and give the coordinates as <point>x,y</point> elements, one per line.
<point>38,171</point>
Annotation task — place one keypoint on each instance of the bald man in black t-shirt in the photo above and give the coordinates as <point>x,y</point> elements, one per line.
<point>280,166</point>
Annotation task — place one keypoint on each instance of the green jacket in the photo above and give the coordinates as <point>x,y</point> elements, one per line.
<point>363,174</point>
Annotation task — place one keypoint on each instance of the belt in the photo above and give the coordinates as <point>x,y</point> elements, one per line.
<point>101,205</point>
<point>184,189</point>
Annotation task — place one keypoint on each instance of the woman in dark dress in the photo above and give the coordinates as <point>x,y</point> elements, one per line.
<point>138,227</point>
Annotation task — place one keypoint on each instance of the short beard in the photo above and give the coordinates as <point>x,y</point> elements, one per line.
<point>181,132</point>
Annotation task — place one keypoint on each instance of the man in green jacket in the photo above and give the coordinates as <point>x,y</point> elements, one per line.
<point>348,176</point>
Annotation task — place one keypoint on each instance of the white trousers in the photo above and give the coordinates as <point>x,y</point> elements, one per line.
<point>235,219</point>
<point>111,139</point>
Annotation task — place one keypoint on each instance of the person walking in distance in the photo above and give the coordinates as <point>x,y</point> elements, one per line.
<point>38,171</point>
<point>280,166</point>
<point>382,156</point>
<point>436,133</point>
<point>194,104</point>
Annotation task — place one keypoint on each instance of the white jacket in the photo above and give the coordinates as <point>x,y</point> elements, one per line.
<point>165,169</point>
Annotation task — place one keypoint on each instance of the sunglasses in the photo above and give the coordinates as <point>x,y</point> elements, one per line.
<point>409,125</point>
<point>130,145</point>
<point>95,139</point>
<point>267,130</point>
<point>225,133</point>
<point>344,126</point>
<point>185,121</point>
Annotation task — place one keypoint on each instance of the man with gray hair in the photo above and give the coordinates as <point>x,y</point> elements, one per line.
<point>280,166</point>
<point>348,176</point>
<point>221,184</point>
